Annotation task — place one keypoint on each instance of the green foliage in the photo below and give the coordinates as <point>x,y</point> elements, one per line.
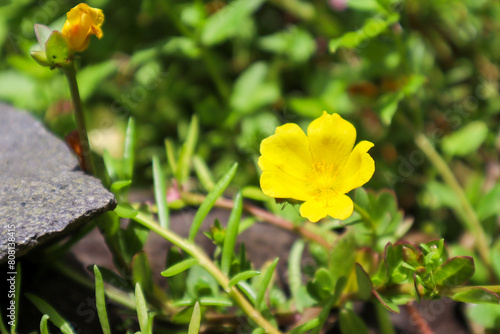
<point>194,87</point>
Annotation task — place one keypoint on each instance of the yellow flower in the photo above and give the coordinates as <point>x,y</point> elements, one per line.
<point>317,169</point>
<point>82,21</point>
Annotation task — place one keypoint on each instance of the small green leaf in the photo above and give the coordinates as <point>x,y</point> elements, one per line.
<point>119,185</point>
<point>365,285</point>
<point>179,267</point>
<point>486,315</point>
<point>194,324</point>
<point>350,323</point>
<point>294,271</point>
<point>386,303</point>
<point>44,329</point>
<point>248,291</point>
<point>488,204</point>
<point>125,211</point>
<point>342,258</point>
<point>56,49</point>
<point>40,57</point>
<point>210,200</point>
<point>54,317</point>
<point>128,150</point>
<point>475,295</point>
<point>231,234</point>
<point>264,284</point>
<point>253,89</point>
<point>184,163</point>
<point>216,301</point>
<point>160,193</point>
<point>465,140</point>
<point>203,172</point>
<point>371,29</point>
<point>101,301</point>
<point>226,22</point>
<point>170,151</point>
<point>243,277</point>
<point>142,310</point>
<point>456,271</point>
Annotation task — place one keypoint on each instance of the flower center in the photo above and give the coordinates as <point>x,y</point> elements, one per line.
<point>322,177</point>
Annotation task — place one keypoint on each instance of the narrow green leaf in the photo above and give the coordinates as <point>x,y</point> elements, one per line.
<point>100,301</point>
<point>456,271</point>
<point>125,211</point>
<point>194,324</point>
<point>476,295</point>
<point>44,329</point>
<point>371,29</point>
<point>184,164</point>
<point>112,278</point>
<point>203,172</point>
<point>169,149</point>
<point>384,320</point>
<point>248,291</point>
<point>350,323</point>
<point>119,185</point>
<point>54,317</point>
<point>365,285</point>
<point>242,277</point>
<point>231,234</point>
<point>110,165</point>
<point>179,267</point>
<point>150,322</point>
<point>3,329</point>
<point>264,284</point>
<point>142,309</point>
<point>210,200</point>
<point>216,301</point>
<point>160,193</point>
<point>294,272</point>
<point>128,150</point>
<point>141,272</point>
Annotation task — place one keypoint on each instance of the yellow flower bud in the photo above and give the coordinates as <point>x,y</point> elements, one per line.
<point>82,21</point>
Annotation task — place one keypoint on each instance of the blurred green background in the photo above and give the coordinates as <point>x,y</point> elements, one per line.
<point>392,68</point>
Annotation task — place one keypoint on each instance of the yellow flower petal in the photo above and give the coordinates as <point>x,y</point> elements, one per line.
<point>337,206</point>
<point>357,171</point>
<point>331,139</point>
<point>82,21</point>
<point>276,183</point>
<point>288,150</point>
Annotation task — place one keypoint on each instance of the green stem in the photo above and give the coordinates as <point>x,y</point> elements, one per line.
<point>325,239</point>
<point>87,163</point>
<point>209,266</point>
<point>470,219</point>
<point>365,216</point>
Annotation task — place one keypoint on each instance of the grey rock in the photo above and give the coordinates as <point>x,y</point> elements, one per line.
<point>43,192</point>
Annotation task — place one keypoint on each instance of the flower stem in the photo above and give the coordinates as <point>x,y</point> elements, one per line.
<point>266,216</point>
<point>87,163</point>
<point>470,219</point>
<point>366,217</point>
<point>209,266</point>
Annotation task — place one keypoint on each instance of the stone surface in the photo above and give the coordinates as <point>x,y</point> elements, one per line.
<point>43,192</point>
